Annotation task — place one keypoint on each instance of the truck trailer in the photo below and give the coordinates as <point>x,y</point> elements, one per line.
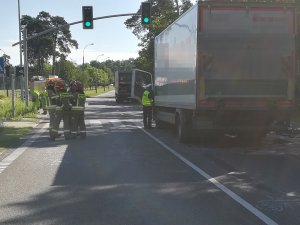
<point>227,67</point>
<point>129,84</point>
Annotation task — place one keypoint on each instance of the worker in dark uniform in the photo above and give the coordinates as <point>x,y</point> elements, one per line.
<point>63,109</point>
<point>147,102</point>
<point>77,112</point>
<point>51,102</point>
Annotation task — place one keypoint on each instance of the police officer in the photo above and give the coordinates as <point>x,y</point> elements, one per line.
<point>77,111</point>
<point>147,102</point>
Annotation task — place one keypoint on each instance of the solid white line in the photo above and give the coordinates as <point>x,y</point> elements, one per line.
<point>230,193</point>
<point>19,151</point>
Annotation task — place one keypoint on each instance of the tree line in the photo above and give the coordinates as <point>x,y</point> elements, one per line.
<point>56,46</point>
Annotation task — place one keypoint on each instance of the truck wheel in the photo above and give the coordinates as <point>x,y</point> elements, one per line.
<point>182,127</point>
<point>159,124</point>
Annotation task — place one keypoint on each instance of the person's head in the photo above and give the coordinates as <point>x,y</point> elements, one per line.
<point>50,85</point>
<point>60,86</point>
<point>148,87</point>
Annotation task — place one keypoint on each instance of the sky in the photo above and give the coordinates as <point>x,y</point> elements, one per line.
<point>109,36</point>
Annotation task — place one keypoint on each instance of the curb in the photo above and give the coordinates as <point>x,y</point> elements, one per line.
<point>23,139</point>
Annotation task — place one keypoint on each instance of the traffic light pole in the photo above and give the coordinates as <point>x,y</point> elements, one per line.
<point>25,39</point>
<point>26,68</point>
<point>67,25</point>
<point>13,94</point>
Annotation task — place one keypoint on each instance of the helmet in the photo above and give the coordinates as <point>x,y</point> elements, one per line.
<point>72,85</point>
<point>60,86</point>
<point>79,87</point>
<point>50,83</point>
<point>75,86</point>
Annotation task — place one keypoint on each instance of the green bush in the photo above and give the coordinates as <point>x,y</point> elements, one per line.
<point>20,108</point>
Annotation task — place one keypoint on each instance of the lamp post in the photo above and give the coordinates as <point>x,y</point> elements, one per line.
<point>3,85</point>
<point>20,47</point>
<point>106,59</point>
<point>99,56</point>
<point>83,54</point>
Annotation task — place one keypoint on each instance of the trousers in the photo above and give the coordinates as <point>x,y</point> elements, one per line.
<point>64,115</point>
<point>147,116</point>
<point>78,124</point>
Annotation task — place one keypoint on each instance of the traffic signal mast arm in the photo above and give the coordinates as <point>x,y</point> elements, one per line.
<point>70,24</point>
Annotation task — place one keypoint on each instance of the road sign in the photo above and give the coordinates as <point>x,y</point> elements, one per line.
<point>2,63</point>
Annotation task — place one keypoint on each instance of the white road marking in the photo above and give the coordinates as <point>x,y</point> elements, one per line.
<point>19,151</point>
<point>231,194</point>
<point>116,123</point>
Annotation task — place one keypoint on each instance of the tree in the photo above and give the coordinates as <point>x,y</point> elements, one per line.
<point>54,44</point>
<point>164,13</point>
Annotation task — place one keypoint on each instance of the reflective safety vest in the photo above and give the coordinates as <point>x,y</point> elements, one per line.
<point>79,102</point>
<point>65,100</point>
<point>51,99</point>
<point>146,101</point>
<point>44,99</point>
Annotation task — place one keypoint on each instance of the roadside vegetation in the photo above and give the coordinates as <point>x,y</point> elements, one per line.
<point>20,109</point>
<point>91,92</point>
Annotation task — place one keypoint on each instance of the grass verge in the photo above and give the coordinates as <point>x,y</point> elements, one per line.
<point>100,90</point>
<point>10,136</point>
<point>20,109</point>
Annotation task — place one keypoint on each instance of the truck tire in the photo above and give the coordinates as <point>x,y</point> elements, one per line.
<point>118,100</point>
<point>160,124</point>
<point>183,125</point>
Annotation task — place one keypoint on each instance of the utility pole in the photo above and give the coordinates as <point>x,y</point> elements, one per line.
<point>20,46</point>
<point>13,94</point>
<point>25,67</point>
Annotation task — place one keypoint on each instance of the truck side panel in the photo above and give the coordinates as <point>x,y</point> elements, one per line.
<point>175,63</point>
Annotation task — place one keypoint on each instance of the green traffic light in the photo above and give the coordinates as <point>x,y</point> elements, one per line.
<point>88,24</point>
<point>146,20</point>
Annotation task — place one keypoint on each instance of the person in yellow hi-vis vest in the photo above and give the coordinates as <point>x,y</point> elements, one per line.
<point>147,102</point>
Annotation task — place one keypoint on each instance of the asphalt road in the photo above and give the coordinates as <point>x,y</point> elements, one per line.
<point>122,174</point>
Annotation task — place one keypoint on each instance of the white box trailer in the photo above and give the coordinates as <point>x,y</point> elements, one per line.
<point>227,66</point>
<point>129,84</point>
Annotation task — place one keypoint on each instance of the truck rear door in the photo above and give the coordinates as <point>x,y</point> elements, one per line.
<point>247,51</point>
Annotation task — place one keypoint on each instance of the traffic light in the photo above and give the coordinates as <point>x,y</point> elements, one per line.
<point>146,12</point>
<point>7,72</point>
<point>19,71</point>
<point>87,17</point>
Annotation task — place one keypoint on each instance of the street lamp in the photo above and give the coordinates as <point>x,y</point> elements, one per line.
<point>99,56</point>
<point>3,85</point>
<point>105,59</point>
<point>83,53</point>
